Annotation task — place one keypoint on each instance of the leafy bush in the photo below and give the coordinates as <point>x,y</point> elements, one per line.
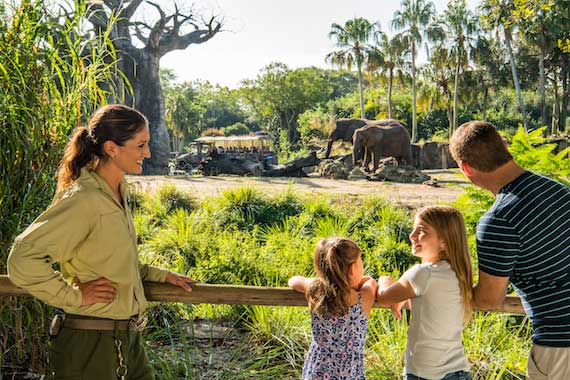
<point>236,129</point>
<point>244,208</point>
<point>212,132</point>
<point>433,122</point>
<point>315,124</point>
<point>167,199</point>
<point>531,152</point>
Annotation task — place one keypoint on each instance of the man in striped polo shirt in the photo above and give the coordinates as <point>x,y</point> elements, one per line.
<point>524,238</point>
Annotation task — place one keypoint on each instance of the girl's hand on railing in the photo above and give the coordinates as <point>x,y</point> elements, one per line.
<point>397,308</point>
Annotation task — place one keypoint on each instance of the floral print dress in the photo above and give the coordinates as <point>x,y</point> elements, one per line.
<point>337,350</point>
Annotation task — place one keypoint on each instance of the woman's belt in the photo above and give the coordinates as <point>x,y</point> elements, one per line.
<point>100,324</point>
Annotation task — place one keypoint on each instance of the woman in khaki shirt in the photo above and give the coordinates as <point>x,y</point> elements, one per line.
<point>89,231</point>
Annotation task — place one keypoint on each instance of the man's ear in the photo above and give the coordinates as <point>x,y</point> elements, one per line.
<point>465,168</point>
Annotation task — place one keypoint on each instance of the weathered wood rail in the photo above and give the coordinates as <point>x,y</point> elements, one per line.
<point>233,295</point>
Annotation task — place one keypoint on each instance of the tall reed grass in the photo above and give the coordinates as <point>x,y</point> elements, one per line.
<point>51,79</point>
<point>256,247</point>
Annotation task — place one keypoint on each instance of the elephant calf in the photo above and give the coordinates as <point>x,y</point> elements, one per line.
<point>384,139</point>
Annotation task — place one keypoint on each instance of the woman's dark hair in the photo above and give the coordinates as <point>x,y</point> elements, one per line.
<point>113,122</point>
<point>329,293</point>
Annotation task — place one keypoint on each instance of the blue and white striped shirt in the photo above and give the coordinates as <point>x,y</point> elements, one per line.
<point>526,236</point>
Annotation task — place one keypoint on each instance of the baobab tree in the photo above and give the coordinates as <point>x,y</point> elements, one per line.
<point>140,62</point>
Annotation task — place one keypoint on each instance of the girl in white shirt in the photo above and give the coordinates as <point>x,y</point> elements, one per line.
<point>440,292</point>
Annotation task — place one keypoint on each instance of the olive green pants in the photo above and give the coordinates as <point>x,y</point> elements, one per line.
<point>92,355</point>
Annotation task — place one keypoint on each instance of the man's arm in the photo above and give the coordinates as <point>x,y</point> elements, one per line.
<point>490,292</point>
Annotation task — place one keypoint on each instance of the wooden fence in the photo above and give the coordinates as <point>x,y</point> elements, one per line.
<point>233,294</point>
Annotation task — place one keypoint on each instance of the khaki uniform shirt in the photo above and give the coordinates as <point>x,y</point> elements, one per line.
<point>91,235</point>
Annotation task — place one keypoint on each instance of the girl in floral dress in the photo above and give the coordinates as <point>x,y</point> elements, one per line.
<point>340,299</point>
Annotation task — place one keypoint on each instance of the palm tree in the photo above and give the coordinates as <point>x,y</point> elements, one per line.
<point>461,28</point>
<point>414,19</point>
<point>437,75</point>
<point>386,55</point>
<point>352,39</point>
<point>497,15</point>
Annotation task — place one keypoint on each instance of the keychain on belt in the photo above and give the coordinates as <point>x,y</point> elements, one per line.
<point>122,368</point>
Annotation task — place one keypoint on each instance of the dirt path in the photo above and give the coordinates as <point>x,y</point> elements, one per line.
<point>410,195</point>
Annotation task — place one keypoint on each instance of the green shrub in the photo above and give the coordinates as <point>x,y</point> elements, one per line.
<point>231,257</point>
<point>244,208</point>
<point>175,245</point>
<point>212,132</point>
<point>236,129</point>
<point>531,152</point>
<point>166,200</point>
<point>315,125</point>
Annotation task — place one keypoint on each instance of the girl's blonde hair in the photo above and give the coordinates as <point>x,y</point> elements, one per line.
<point>450,227</point>
<point>329,293</point>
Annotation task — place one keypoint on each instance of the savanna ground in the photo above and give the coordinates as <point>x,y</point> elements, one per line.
<point>409,195</point>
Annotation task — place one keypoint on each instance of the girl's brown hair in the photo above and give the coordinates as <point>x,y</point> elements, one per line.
<point>329,293</point>
<point>450,227</point>
<point>113,122</point>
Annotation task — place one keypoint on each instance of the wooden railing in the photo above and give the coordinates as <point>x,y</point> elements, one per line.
<point>233,294</point>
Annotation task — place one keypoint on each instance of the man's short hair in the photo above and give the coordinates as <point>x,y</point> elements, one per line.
<point>479,144</point>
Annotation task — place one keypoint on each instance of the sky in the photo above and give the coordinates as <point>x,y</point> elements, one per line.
<point>258,32</point>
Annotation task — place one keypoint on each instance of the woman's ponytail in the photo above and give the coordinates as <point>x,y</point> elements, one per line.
<point>78,153</point>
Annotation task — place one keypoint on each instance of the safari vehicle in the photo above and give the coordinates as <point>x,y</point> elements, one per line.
<point>196,153</point>
<point>256,147</point>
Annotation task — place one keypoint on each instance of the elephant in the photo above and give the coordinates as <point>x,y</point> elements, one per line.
<point>383,138</point>
<point>345,127</point>
<point>343,130</point>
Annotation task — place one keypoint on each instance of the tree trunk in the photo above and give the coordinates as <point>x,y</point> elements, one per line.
<point>516,78</point>
<point>485,102</point>
<point>542,82</point>
<point>414,121</point>
<point>390,93</point>
<point>361,91</point>
<point>149,99</point>
<point>449,114</point>
<point>565,94</point>
<point>455,89</point>
<point>555,105</point>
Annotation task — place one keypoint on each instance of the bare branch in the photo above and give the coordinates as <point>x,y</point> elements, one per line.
<point>158,8</point>
<point>175,41</point>
<point>138,32</point>
<point>130,9</point>
<point>159,27</point>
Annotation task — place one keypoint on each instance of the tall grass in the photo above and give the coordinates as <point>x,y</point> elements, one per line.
<point>255,247</point>
<point>50,79</point>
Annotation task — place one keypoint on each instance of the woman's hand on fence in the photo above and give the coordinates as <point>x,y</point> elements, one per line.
<point>179,280</point>
<point>100,290</point>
